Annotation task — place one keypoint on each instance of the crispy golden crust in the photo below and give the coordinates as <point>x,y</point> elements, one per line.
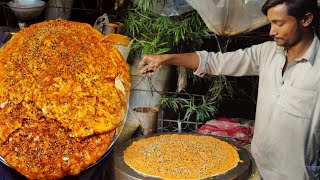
<point>181,156</point>
<point>63,93</point>
<point>43,149</point>
<point>11,118</point>
<point>69,71</point>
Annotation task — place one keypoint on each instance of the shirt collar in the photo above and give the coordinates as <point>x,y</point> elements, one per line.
<point>281,50</point>
<point>310,54</point>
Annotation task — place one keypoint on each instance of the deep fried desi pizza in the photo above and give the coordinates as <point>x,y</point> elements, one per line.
<point>64,86</point>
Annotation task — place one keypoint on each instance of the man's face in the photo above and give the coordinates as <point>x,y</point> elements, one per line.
<point>285,29</point>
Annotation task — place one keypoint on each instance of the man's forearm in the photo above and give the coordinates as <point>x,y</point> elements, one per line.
<point>187,60</point>
<point>150,62</point>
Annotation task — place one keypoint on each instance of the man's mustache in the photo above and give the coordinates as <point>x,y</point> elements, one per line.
<point>274,37</point>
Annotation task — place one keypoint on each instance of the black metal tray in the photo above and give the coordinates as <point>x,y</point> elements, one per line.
<point>241,171</point>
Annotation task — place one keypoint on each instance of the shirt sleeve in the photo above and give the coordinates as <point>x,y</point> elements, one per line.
<point>243,62</point>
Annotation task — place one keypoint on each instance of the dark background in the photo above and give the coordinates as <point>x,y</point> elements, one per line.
<point>82,11</point>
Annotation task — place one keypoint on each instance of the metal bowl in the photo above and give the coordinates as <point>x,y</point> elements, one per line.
<point>4,161</point>
<point>27,11</point>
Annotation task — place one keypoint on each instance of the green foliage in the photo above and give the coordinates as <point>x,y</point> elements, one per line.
<point>173,102</point>
<point>202,108</point>
<point>158,34</point>
<point>220,88</point>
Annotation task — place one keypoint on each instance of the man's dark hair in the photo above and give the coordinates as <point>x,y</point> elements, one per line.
<point>296,8</point>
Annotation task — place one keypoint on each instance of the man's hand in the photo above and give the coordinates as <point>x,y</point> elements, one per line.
<point>150,62</point>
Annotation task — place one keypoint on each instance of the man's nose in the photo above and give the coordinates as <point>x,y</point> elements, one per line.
<point>272,32</point>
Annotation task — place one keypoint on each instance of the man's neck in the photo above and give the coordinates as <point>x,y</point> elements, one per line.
<point>300,48</point>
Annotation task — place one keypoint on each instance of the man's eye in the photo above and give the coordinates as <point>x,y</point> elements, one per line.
<point>279,23</point>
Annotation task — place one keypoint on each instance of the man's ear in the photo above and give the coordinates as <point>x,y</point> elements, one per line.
<point>306,20</point>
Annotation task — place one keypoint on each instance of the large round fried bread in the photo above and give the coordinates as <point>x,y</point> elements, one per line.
<point>69,72</point>
<point>43,149</point>
<point>63,94</point>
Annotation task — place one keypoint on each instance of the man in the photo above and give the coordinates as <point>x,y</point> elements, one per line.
<point>286,143</point>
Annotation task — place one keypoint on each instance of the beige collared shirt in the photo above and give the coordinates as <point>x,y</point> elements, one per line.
<point>286,142</point>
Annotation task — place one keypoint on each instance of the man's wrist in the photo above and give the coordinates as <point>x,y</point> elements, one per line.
<point>166,59</point>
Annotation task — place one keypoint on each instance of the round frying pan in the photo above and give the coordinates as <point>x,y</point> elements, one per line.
<point>241,171</point>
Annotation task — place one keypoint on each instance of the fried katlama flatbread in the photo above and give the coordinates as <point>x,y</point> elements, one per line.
<point>69,71</point>
<point>43,149</point>
<point>64,91</point>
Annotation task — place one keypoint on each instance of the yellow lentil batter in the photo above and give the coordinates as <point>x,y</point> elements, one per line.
<point>177,156</point>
